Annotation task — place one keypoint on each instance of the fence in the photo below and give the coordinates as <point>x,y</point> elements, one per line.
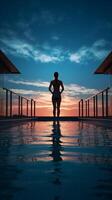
<point>14,105</point>
<point>99,105</point>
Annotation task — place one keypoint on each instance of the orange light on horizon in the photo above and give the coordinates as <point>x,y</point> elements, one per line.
<point>69,105</point>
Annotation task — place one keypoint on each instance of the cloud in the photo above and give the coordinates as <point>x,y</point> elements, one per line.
<point>43,98</point>
<point>30,83</point>
<point>25,92</point>
<point>78,90</point>
<point>12,43</point>
<point>17,47</point>
<point>47,58</point>
<point>77,57</point>
<point>71,90</point>
<point>42,53</point>
<point>97,51</point>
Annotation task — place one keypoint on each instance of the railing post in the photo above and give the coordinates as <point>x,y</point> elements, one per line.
<point>88,107</point>
<point>34,107</point>
<point>106,102</point>
<point>79,108</point>
<point>94,106</point>
<point>82,107</point>
<point>27,108</point>
<point>10,103</point>
<point>6,102</point>
<point>31,106</point>
<point>102,104</point>
<point>21,106</point>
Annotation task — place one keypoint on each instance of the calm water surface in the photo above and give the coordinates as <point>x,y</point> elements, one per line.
<point>56,161</point>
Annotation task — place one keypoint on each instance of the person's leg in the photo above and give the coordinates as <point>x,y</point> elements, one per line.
<point>54,108</point>
<point>58,107</point>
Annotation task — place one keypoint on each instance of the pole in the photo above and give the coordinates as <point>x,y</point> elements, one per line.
<point>79,108</point>
<point>82,107</point>
<point>10,103</point>
<point>34,107</point>
<point>6,103</point>
<point>27,108</point>
<point>21,106</point>
<point>102,104</point>
<point>88,107</point>
<point>106,102</point>
<point>31,107</point>
<point>94,106</point>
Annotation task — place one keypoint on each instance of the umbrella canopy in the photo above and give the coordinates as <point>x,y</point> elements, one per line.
<point>106,66</point>
<point>6,66</point>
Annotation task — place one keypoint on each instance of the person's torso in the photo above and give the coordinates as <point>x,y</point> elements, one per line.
<point>56,86</point>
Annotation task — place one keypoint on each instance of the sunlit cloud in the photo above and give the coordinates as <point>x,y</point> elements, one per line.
<point>77,90</point>
<point>70,97</point>
<point>30,83</point>
<point>97,51</point>
<point>44,101</point>
<point>26,92</point>
<point>72,90</point>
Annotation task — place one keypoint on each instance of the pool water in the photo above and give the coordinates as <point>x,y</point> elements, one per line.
<point>56,161</point>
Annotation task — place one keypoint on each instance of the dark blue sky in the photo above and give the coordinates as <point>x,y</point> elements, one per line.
<point>71,37</point>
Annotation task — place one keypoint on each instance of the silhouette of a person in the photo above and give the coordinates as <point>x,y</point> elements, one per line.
<point>56,88</point>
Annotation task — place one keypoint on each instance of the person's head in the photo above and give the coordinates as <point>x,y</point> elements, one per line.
<point>56,75</point>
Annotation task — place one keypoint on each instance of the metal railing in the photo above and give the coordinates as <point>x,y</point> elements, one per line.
<point>98,105</point>
<point>16,105</point>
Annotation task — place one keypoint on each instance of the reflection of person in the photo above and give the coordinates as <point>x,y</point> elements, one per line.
<point>54,88</point>
<point>56,146</point>
<point>56,155</point>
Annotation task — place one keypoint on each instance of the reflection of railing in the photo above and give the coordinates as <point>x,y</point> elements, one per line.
<point>99,105</point>
<point>16,105</point>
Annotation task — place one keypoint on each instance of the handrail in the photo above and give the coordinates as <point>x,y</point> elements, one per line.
<point>104,105</point>
<point>97,93</point>
<point>15,93</point>
<point>9,105</point>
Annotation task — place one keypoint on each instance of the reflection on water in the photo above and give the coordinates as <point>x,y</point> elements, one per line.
<point>56,154</point>
<point>56,142</point>
<point>56,161</point>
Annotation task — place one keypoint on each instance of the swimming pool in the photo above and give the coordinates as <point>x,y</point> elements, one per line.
<point>56,161</point>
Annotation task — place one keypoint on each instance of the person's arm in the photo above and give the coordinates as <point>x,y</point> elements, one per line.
<point>50,87</point>
<point>62,87</point>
